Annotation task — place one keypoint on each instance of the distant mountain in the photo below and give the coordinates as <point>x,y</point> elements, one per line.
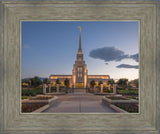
<point>41,78</point>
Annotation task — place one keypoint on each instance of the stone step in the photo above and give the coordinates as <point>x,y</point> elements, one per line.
<point>79,90</point>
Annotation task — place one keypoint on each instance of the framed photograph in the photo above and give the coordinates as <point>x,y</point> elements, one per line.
<point>80,66</point>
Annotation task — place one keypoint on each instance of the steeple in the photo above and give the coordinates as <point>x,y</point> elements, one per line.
<point>80,49</point>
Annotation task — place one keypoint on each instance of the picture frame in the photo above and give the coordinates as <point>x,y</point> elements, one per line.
<point>13,12</point>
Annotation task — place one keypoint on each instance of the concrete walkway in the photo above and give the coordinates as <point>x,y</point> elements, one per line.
<point>79,103</point>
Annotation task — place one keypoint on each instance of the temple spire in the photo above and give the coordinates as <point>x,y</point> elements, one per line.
<point>80,49</point>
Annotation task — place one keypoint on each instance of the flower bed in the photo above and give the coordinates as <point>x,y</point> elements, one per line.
<point>131,108</point>
<point>26,108</point>
<point>38,103</point>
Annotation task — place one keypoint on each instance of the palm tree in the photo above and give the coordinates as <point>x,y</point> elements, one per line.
<point>100,82</point>
<point>111,82</point>
<point>36,81</point>
<point>57,81</point>
<point>122,82</point>
<point>46,81</point>
<point>66,82</point>
<point>92,83</point>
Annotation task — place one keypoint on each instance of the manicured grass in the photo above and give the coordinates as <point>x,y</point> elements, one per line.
<point>115,98</point>
<point>26,108</point>
<point>131,107</point>
<point>25,97</point>
<point>128,92</point>
<point>31,92</point>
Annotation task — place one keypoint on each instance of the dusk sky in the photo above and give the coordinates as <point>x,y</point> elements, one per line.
<point>109,48</point>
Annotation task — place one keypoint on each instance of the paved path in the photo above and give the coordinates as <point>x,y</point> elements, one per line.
<point>79,103</point>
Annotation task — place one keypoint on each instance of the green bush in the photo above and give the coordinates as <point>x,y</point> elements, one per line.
<point>31,92</point>
<point>120,88</point>
<point>53,89</point>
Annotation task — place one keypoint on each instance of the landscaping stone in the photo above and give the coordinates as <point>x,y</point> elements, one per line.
<point>109,101</point>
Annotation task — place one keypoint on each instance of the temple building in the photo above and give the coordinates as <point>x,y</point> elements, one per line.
<point>79,77</point>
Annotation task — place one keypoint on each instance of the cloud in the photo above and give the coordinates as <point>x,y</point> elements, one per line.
<point>25,46</point>
<point>127,66</point>
<point>135,57</point>
<point>111,54</point>
<point>108,54</point>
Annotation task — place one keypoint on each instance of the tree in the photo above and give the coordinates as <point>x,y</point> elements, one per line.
<point>35,82</point>
<point>92,83</point>
<point>25,82</point>
<point>100,82</point>
<point>111,82</point>
<point>66,82</point>
<point>135,82</point>
<point>57,81</point>
<point>122,82</point>
<point>46,81</point>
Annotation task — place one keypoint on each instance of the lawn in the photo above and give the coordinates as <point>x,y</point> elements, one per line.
<point>128,92</point>
<point>31,92</point>
<point>25,97</point>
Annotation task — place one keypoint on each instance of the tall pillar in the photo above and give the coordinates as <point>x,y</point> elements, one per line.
<point>101,88</point>
<point>74,77</point>
<point>109,87</point>
<point>114,89</point>
<point>44,88</point>
<point>49,86</point>
<point>85,76</point>
<point>57,88</point>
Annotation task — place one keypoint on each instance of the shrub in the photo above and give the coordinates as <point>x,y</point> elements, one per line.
<point>31,92</point>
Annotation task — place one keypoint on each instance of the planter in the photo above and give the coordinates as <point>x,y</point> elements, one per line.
<point>41,109</point>
<point>60,93</point>
<point>109,101</point>
<point>47,103</point>
<point>129,107</point>
<point>118,109</point>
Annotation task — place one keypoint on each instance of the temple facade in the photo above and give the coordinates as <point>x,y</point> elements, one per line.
<point>79,77</point>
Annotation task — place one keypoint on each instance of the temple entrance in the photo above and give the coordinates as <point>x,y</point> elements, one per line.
<point>79,85</point>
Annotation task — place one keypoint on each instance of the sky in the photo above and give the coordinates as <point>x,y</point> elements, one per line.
<point>109,48</point>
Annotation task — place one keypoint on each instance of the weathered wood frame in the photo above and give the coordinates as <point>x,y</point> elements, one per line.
<point>13,12</point>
